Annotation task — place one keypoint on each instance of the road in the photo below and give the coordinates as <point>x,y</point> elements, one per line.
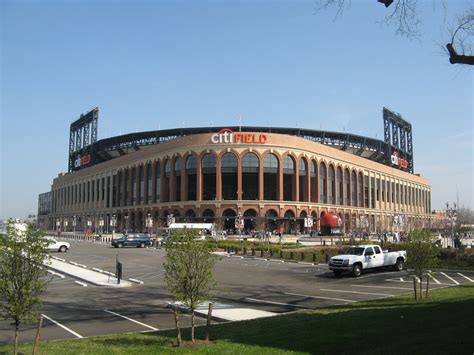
<point>73,311</point>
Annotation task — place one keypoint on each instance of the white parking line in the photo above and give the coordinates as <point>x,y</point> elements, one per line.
<point>394,288</point>
<point>324,298</point>
<point>449,277</point>
<point>434,279</point>
<point>361,293</point>
<point>62,326</point>
<point>467,278</point>
<point>131,320</point>
<point>278,303</point>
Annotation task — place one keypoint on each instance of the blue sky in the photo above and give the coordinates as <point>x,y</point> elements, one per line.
<point>162,64</point>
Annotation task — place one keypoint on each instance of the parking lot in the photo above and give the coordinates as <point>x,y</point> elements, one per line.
<point>73,311</point>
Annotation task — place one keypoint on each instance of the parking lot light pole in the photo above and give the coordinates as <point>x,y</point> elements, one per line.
<point>74,224</point>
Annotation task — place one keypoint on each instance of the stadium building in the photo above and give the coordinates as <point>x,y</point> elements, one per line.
<point>255,178</point>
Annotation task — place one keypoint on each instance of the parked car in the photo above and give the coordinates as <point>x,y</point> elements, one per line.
<point>361,257</point>
<point>56,245</point>
<point>132,240</point>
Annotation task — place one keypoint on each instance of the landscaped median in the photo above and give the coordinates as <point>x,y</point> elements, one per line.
<point>398,325</point>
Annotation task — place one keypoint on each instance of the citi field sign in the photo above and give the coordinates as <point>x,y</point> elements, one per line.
<point>226,135</point>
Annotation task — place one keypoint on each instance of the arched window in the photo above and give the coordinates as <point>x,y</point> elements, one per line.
<point>347,182</point>
<point>322,183</point>
<point>288,178</point>
<point>191,173</point>
<point>332,186</point>
<point>149,184</point>
<point>126,189</point>
<point>303,181</point>
<point>158,183</point>
<point>314,182</point>
<point>141,186</point>
<point>339,186</point>
<point>270,177</point>
<point>354,188</point>
<point>166,182</point>
<point>208,177</point>
<point>177,179</point>
<point>360,190</point>
<point>229,176</point>
<point>250,166</point>
<point>134,186</point>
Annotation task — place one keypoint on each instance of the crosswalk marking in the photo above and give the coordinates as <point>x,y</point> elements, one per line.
<point>449,277</point>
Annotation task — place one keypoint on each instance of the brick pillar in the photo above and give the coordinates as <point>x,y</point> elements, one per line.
<point>218,179</point>
<point>296,183</point>
<point>280,179</point>
<point>153,181</point>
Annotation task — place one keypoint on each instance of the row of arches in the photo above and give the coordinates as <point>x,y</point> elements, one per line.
<point>233,176</point>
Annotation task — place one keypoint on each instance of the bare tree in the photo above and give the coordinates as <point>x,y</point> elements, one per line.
<point>404,16</point>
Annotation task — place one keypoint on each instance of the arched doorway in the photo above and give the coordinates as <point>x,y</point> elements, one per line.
<point>229,220</point>
<point>208,216</point>
<point>271,220</point>
<point>289,222</point>
<point>190,216</point>
<point>250,219</point>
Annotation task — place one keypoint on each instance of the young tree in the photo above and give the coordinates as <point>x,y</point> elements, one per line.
<point>422,255</point>
<point>22,277</point>
<point>189,270</point>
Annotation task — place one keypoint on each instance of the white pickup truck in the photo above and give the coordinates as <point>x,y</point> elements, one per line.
<point>361,257</point>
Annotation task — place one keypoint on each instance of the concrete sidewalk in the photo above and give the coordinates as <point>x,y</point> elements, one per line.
<point>225,312</point>
<point>84,274</point>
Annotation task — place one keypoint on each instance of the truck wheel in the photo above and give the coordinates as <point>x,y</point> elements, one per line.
<point>62,249</point>
<point>398,265</point>
<point>337,273</point>
<point>356,270</point>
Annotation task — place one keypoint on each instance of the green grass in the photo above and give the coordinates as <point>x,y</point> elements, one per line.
<point>398,325</point>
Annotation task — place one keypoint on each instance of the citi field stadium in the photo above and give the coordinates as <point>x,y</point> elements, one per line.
<point>271,178</point>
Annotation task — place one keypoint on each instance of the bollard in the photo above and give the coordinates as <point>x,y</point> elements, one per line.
<point>253,252</point>
<point>314,257</point>
<point>291,255</point>
<point>324,243</point>
<point>261,253</point>
<point>281,254</point>
<point>302,255</point>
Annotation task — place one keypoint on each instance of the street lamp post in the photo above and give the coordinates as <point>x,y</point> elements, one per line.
<point>126,223</point>
<point>74,224</point>
<point>452,215</point>
<point>149,223</point>
<point>101,225</point>
<point>113,221</point>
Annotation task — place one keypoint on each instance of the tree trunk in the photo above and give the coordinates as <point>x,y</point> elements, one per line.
<point>176,322</point>
<point>192,325</point>
<point>421,286</point>
<point>17,329</point>
<point>208,324</point>
<point>427,285</point>
<point>414,286</point>
<point>37,338</point>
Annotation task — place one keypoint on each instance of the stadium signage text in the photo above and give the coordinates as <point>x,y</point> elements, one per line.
<point>80,161</point>
<point>226,135</point>
<point>396,160</point>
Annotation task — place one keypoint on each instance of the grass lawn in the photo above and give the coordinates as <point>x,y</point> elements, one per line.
<point>444,324</point>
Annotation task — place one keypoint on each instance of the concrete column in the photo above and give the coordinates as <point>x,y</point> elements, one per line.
<point>199,179</point>
<point>261,181</point>
<point>239,178</point>
<point>218,180</point>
